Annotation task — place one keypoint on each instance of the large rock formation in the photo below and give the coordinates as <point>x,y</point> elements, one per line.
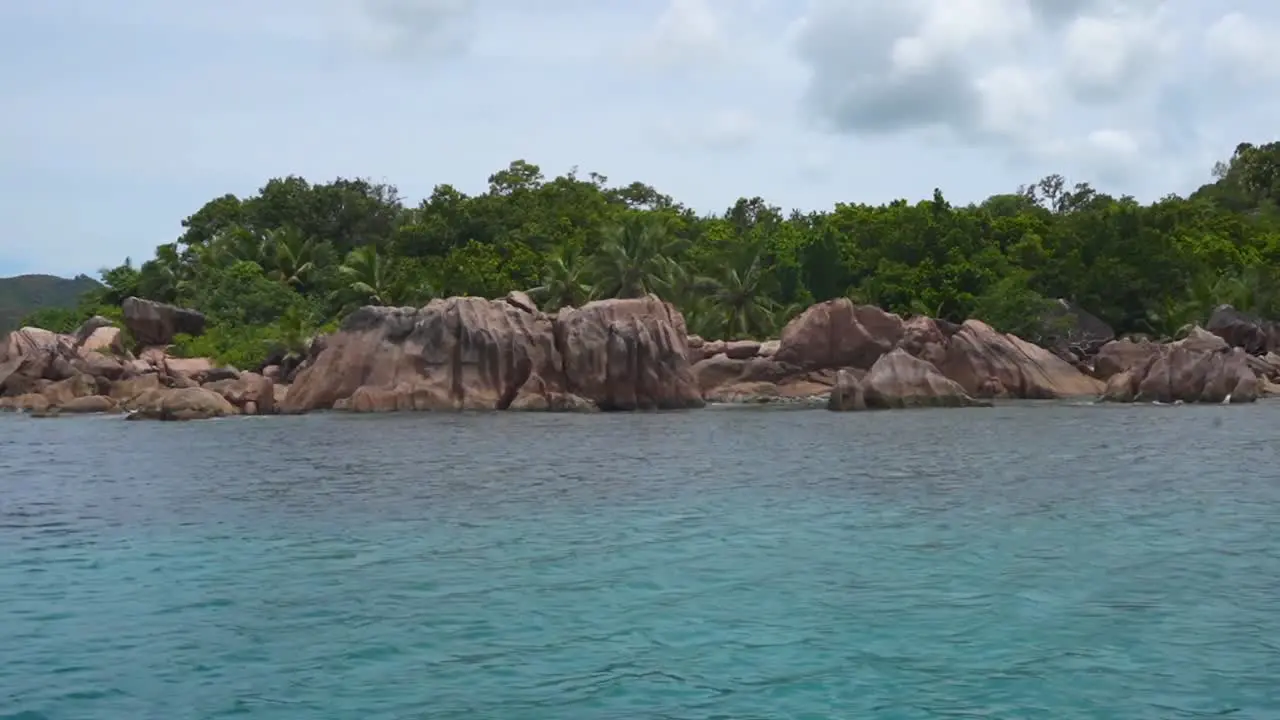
<point>898,380</point>
<point>1200,368</point>
<point>91,372</point>
<point>987,363</point>
<point>195,403</point>
<point>1248,332</point>
<point>1120,355</point>
<point>30,355</point>
<point>469,353</point>
<point>627,355</point>
<point>153,323</point>
<point>838,333</point>
<point>838,336</point>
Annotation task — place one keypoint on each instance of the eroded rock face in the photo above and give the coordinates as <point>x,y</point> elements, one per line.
<point>980,359</point>
<point>924,338</point>
<point>191,368</point>
<point>101,340</point>
<point>153,323</point>
<point>898,380</point>
<point>453,354</point>
<point>521,301</point>
<point>473,353</point>
<point>194,403</point>
<point>32,354</point>
<point>723,379</point>
<point>1189,371</point>
<point>99,364</point>
<point>1238,329</point>
<point>89,404</point>
<point>627,355</point>
<point>27,402</point>
<point>126,390</point>
<point>250,393</point>
<point>1121,355</point>
<point>48,374</point>
<point>741,349</point>
<point>63,392</point>
<point>1202,340</point>
<point>838,333</point>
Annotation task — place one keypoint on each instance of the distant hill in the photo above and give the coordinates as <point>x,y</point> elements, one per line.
<point>24,294</point>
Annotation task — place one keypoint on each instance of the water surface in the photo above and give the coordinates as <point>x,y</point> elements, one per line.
<point>1026,561</point>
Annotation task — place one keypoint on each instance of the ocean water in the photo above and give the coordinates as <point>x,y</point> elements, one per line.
<point>1026,561</point>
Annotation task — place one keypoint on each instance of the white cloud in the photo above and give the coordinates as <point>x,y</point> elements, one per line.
<point>722,130</point>
<point>1246,48</point>
<point>1029,78</point>
<point>686,31</point>
<point>415,27</point>
<point>121,120</point>
<point>1109,57</point>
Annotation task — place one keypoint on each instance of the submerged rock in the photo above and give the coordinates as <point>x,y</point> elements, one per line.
<point>194,403</point>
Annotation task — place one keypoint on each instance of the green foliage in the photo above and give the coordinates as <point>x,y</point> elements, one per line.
<point>239,346</point>
<point>242,294</point>
<point>1010,305</point>
<point>57,319</point>
<point>276,267</point>
<point>38,300</point>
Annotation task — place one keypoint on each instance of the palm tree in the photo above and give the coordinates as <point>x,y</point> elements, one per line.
<point>1246,290</point>
<point>166,276</point>
<point>373,280</point>
<point>689,291</point>
<point>632,258</point>
<point>741,300</point>
<point>291,256</point>
<point>367,276</point>
<point>784,314</point>
<point>563,283</point>
<point>237,243</point>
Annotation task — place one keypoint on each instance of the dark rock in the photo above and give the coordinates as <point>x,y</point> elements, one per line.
<point>153,323</point>
<point>1073,333</point>
<point>1243,330</point>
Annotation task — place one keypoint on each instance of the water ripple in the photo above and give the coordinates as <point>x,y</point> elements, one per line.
<point>1062,562</point>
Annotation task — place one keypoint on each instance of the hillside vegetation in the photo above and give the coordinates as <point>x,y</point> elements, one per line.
<point>23,295</point>
<point>296,256</point>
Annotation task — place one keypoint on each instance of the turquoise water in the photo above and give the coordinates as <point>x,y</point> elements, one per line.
<point>1017,562</point>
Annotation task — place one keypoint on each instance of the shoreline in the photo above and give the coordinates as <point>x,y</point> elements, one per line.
<point>710,407</point>
<point>621,355</point>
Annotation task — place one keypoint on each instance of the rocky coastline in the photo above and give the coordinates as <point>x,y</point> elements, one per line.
<point>470,353</point>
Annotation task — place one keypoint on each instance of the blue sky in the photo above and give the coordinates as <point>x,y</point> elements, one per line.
<point>122,118</point>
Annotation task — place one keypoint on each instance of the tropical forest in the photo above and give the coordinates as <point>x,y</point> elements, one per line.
<point>296,257</point>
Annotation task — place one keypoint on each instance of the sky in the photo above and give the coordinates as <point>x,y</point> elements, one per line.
<point>120,119</point>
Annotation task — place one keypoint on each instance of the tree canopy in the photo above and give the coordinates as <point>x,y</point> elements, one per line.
<point>297,256</point>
